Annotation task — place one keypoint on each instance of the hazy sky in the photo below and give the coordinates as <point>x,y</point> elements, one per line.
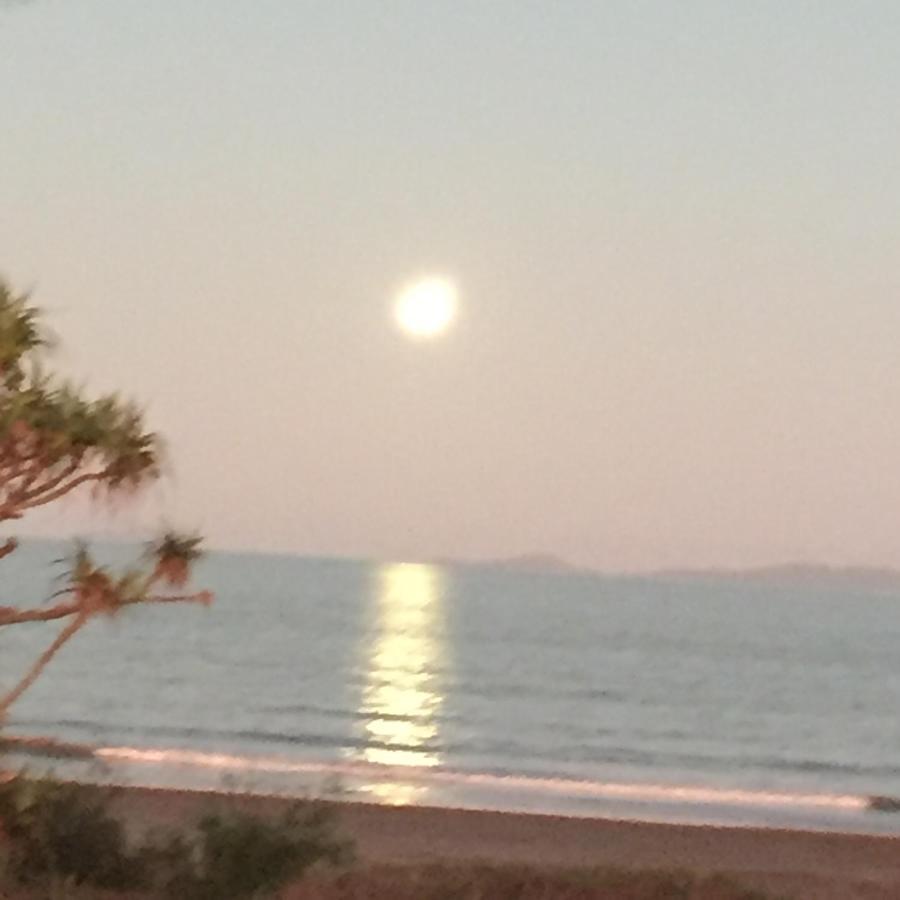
<point>675,228</point>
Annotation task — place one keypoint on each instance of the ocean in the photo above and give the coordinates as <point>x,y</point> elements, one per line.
<point>577,694</point>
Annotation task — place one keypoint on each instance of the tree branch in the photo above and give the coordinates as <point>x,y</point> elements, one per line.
<point>9,547</point>
<point>18,498</point>
<point>41,662</point>
<point>11,615</point>
<point>17,476</point>
<point>62,490</point>
<point>19,467</point>
<point>204,597</point>
<point>29,494</point>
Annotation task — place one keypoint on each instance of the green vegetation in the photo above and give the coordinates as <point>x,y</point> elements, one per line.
<point>54,834</point>
<point>239,855</point>
<point>54,442</point>
<point>61,839</point>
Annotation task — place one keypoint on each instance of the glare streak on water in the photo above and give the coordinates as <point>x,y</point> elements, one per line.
<point>401,702</point>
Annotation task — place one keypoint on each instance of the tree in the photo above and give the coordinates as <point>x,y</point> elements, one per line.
<point>55,441</point>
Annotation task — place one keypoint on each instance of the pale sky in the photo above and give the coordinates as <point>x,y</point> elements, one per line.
<point>674,227</point>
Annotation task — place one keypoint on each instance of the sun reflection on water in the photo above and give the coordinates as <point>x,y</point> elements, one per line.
<point>402,697</point>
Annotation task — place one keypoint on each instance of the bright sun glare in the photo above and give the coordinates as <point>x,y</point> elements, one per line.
<point>426,308</point>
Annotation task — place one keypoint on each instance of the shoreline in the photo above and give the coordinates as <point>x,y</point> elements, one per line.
<point>811,865</point>
<point>211,775</point>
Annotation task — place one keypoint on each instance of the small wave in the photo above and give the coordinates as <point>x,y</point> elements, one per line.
<point>597,694</point>
<point>305,709</point>
<point>100,731</point>
<point>823,766</point>
<point>79,724</point>
<point>639,793</point>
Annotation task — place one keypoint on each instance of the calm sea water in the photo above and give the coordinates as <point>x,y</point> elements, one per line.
<point>575,694</point>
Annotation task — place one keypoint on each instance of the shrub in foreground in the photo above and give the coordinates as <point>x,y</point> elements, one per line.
<point>242,855</point>
<point>54,833</point>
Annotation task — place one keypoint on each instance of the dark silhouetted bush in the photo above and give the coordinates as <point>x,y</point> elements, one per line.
<point>52,832</point>
<point>241,855</point>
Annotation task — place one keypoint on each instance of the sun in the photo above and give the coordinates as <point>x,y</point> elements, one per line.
<point>426,308</point>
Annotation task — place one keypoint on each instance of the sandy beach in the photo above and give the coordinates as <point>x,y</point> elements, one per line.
<point>805,865</point>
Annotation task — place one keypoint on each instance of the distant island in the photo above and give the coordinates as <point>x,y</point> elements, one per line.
<point>806,574</point>
<point>786,574</point>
